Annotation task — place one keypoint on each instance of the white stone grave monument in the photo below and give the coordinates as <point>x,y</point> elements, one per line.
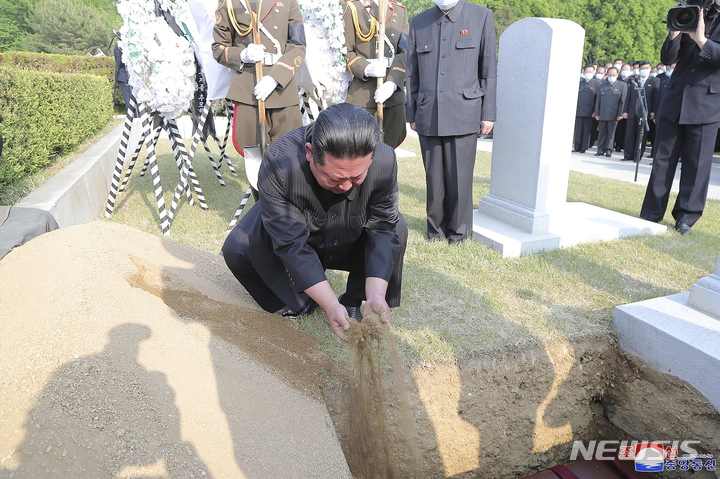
<point>526,210</point>
<point>678,334</point>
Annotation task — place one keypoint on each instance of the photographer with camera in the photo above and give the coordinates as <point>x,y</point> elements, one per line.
<point>689,114</point>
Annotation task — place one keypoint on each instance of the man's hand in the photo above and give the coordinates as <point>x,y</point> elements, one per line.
<point>385,92</point>
<point>253,53</point>
<point>625,116</point>
<point>619,118</point>
<point>597,117</point>
<point>265,87</point>
<point>412,126</point>
<point>699,34</point>
<point>487,127</point>
<point>376,70</point>
<point>379,306</point>
<point>652,116</point>
<point>324,296</point>
<point>375,291</point>
<point>338,319</point>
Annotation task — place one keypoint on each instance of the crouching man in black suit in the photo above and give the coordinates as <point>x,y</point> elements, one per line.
<point>328,200</point>
<point>688,122</point>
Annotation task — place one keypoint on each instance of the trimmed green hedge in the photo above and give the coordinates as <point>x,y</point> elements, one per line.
<point>103,66</point>
<point>45,114</point>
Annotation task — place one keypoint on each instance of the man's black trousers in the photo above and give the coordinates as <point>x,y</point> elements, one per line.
<point>632,131</point>
<point>583,127</point>
<point>606,136</point>
<point>695,145</point>
<point>449,162</point>
<point>280,294</point>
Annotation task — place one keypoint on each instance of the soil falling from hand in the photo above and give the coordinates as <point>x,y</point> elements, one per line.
<point>371,453</point>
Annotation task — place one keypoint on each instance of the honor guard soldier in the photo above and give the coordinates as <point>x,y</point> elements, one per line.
<point>281,52</point>
<point>361,26</point>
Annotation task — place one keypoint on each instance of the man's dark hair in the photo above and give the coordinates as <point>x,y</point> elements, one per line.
<point>645,62</point>
<point>344,131</point>
<point>618,60</point>
<point>635,63</point>
<point>612,68</point>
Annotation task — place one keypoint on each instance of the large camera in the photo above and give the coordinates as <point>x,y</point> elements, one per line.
<point>685,17</point>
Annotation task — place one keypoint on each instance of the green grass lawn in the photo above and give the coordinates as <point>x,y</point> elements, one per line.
<point>463,300</point>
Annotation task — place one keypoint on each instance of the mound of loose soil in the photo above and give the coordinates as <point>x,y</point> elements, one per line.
<point>126,355</point>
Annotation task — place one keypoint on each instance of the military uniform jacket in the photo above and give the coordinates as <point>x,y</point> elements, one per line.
<point>284,22</point>
<point>610,100</point>
<point>298,228</point>
<point>692,95</point>
<point>451,72</point>
<point>633,107</point>
<point>587,97</point>
<point>362,89</point>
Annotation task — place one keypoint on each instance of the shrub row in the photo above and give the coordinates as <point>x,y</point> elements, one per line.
<point>45,114</point>
<point>102,66</point>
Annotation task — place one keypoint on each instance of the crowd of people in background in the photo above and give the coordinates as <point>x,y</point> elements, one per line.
<point>610,106</point>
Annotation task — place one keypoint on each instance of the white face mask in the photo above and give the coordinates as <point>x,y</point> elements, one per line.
<point>636,71</point>
<point>624,73</point>
<point>669,73</point>
<point>599,76</point>
<point>612,79</point>
<point>588,76</point>
<point>618,66</point>
<point>445,4</point>
<point>644,73</point>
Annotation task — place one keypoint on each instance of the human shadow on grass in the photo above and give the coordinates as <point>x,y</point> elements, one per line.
<point>105,415</point>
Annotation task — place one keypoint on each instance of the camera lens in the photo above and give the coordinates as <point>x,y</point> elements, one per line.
<point>686,18</point>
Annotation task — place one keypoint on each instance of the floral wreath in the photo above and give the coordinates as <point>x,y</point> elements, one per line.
<point>325,34</point>
<point>161,64</point>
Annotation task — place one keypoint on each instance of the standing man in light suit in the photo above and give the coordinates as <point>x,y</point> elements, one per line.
<point>451,85</point>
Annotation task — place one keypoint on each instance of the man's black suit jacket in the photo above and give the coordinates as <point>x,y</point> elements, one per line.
<point>298,229</point>
<point>632,105</point>
<point>586,97</point>
<point>692,96</point>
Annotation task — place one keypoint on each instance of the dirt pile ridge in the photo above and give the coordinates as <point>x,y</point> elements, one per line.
<point>127,355</point>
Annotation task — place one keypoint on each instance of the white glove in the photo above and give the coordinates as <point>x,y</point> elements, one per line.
<point>385,91</point>
<point>376,70</point>
<point>264,88</point>
<point>253,53</point>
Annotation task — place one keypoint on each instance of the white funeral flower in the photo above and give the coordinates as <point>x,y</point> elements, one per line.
<point>161,64</point>
<point>324,58</point>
